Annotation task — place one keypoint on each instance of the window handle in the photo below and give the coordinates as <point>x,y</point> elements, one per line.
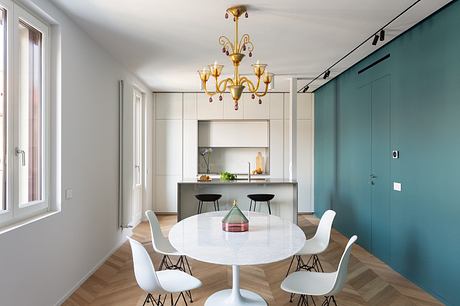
<point>23,155</point>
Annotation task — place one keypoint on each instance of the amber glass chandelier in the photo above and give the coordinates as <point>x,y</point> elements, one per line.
<point>236,52</point>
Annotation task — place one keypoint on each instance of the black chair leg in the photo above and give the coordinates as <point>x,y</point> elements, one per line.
<point>218,207</point>
<point>215,206</point>
<point>255,203</point>
<point>269,209</point>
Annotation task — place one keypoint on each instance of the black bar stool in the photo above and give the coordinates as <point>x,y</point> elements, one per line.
<point>262,197</point>
<point>210,198</point>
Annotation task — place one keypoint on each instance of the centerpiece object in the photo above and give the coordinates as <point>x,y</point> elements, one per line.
<point>235,220</point>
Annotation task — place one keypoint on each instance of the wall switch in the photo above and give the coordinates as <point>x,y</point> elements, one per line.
<point>68,194</point>
<point>396,186</point>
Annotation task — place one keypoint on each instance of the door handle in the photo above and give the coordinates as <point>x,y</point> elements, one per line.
<point>371,179</point>
<point>23,155</point>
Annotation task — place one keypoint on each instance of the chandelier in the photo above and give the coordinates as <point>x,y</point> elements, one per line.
<point>236,52</point>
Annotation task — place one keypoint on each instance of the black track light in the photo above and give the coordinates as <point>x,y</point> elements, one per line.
<point>305,89</point>
<point>382,35</point>
<point>376,39</point>
<point>326,74</point>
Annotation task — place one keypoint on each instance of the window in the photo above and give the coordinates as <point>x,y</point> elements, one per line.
<point>24,108</point>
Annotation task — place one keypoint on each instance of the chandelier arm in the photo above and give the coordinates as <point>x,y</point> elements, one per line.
<point>244,80</point>
<point>245,40</point>
<point>252,88</point>
<point>264,93</point>
<point>209,93</point>
<point>226,43</point>
<point>225,81</point>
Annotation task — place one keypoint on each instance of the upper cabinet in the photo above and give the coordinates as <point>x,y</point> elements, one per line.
<point>189,106</point>
<point>254,110</point>
<point>276,105</point>
<point>168,105</point>
<point>209,110</point>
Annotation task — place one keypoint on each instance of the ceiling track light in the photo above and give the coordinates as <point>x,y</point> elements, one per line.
<point>305,89</point>
<point>376,39</point>
<point>326,74</point>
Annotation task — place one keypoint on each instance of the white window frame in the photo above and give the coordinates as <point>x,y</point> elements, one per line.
<point>17,212</point>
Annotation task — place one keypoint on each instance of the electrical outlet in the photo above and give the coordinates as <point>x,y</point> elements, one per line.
<point>396,186</point>
<point>68,194</point>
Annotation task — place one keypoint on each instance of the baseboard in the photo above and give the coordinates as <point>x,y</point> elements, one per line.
<point>91,272</point>
<point>305,213</point>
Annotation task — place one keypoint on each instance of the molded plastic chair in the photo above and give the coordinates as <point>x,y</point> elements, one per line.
<point>163,283</point>
<point>315,245</point>
<point>162,246</point>
<point>308,284</point>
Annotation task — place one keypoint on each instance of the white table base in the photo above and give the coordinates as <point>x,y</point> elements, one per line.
<point>235,296</point>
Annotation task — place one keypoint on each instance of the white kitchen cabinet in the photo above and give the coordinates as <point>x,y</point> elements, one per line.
<point>286,135</point>
<point>189,105</point>
<point>276,148</point>
<point>190,149</point>
<point>229,107</point>
<point>276,105</point>
<point>168,148</point>
<point>166,193</point>
<point>254,110</point>
<point>244,134</point>
<point>304,164</point>
<point>209,110</point>
<point>168,105</point>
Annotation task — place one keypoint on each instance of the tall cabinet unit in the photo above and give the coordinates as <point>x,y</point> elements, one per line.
<point>168,149</point>
<point>177,117</point>
<point>304,148</point>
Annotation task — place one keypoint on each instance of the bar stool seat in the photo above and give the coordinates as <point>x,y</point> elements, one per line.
<point>261,197</point>
<point>208,198</point>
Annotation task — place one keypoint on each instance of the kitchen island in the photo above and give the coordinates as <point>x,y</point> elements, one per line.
<point>283,205</point>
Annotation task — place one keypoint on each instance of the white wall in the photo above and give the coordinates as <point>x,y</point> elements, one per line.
<point>42,261</point>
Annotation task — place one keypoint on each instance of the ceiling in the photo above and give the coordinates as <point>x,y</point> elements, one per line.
<point>165,42</point>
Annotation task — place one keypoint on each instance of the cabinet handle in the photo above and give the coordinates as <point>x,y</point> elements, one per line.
<point>23,156</point>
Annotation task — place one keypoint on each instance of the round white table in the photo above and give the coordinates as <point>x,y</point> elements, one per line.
<point>269,239</point>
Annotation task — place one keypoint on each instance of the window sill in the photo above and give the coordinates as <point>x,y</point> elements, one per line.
<point>19,224</point>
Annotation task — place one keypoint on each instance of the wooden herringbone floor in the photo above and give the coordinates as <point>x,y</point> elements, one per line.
<point>370,281</point>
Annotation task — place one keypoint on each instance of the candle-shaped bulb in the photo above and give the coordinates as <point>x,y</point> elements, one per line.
<point>257,63</point>
<point>215,63</point>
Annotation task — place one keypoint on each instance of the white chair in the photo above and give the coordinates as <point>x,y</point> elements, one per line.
<point>162,246</point>
<point>308,284</point>
<point>162,283</point>
<point>315,245</point>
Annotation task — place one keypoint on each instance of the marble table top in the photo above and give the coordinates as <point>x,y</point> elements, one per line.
<point>268,240</point>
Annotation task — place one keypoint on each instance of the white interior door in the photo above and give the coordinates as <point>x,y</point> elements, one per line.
<point>138,160</point>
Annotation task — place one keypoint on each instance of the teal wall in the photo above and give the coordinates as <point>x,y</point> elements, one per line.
<point>424,219</point>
